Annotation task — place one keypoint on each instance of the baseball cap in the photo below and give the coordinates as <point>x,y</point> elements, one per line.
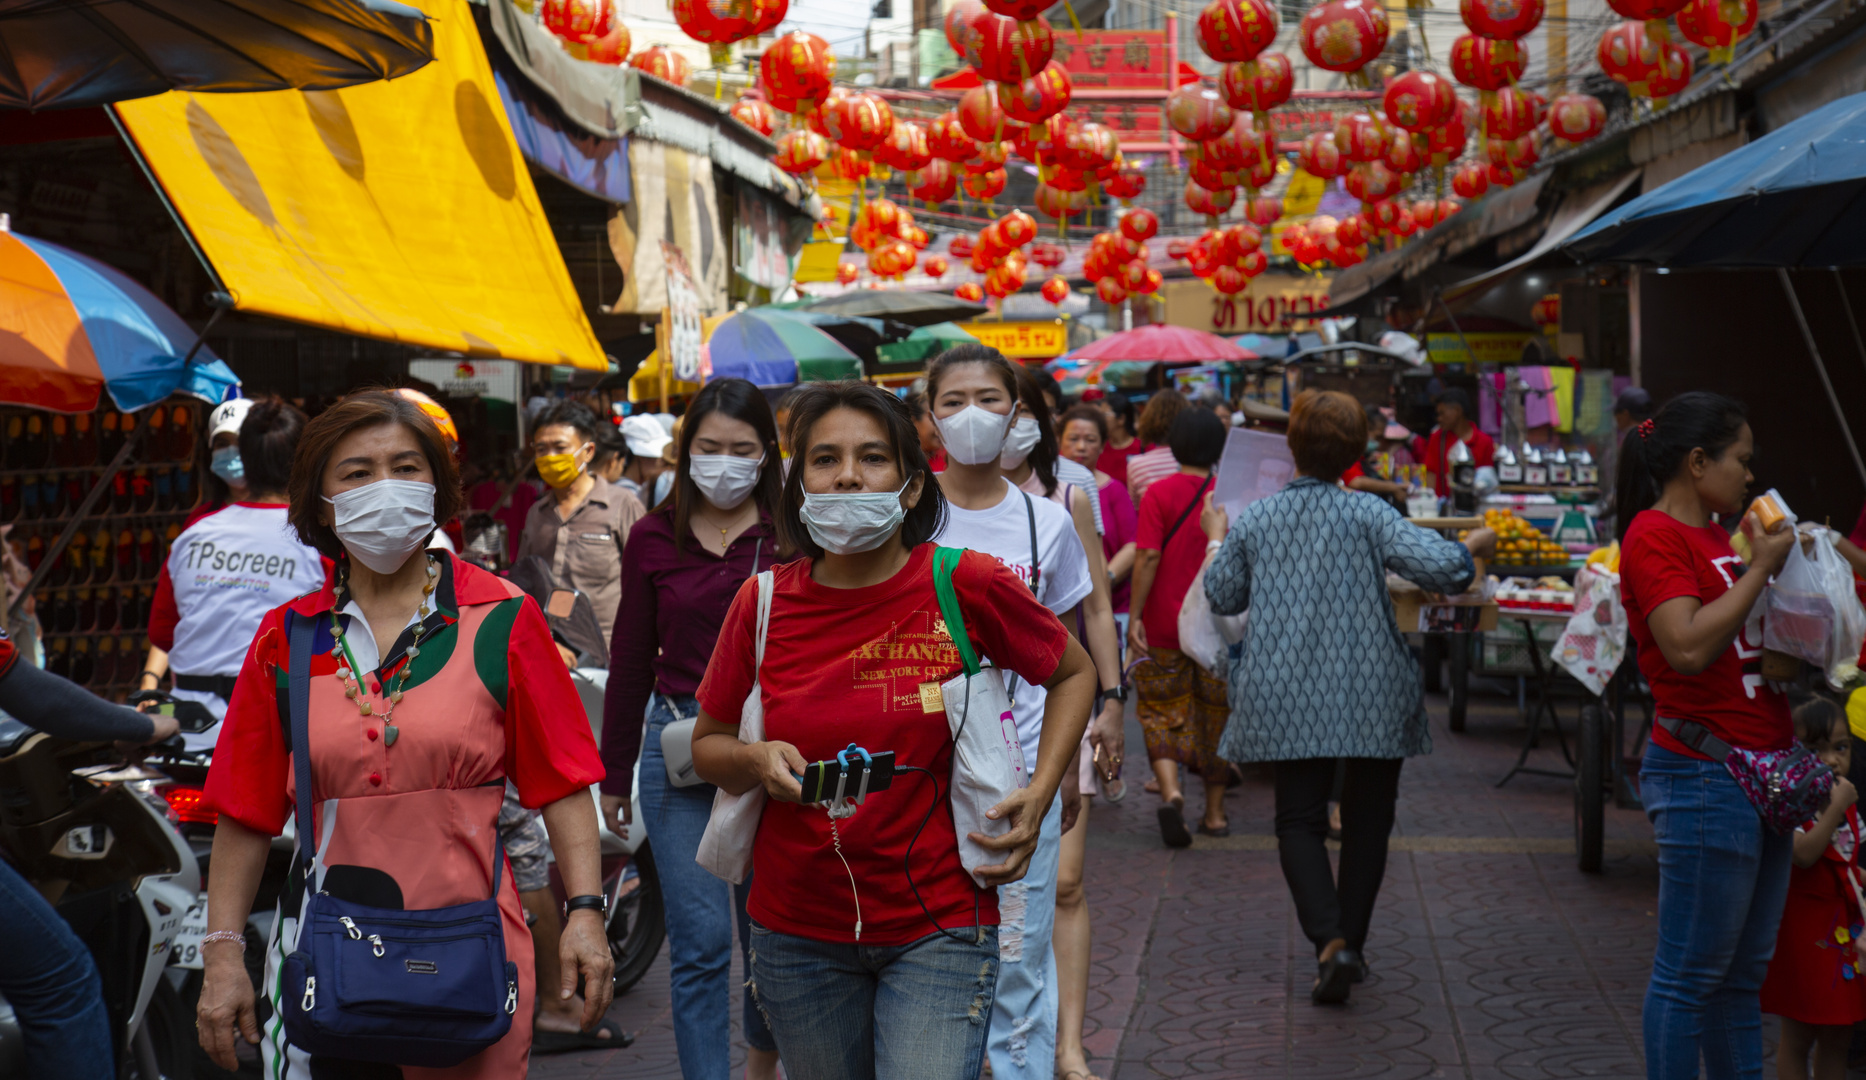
<point>228,416</point>
<point>645,435</point>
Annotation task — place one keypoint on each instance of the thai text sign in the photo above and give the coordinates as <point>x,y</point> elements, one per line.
<point>1021,339</point>
<point>1261,308</point>
<point>1488,348</point>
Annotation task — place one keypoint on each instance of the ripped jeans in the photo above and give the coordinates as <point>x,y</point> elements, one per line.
<point>1023,1025</point>
<point>865,1012</point>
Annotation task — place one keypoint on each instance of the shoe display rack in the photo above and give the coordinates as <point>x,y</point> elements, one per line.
<point>93,604</point>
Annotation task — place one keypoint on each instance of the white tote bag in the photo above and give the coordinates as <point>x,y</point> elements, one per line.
<point>726,846</point>
<point>1205,635</point>
<point>987,759</point>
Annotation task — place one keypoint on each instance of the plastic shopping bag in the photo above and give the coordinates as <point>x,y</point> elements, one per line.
<point>726,845</point>
<point>987,759</point>
<point>1594,641</point>
<point>1205,635</point>
<point>1848,630</point>
<point>1798,617</point>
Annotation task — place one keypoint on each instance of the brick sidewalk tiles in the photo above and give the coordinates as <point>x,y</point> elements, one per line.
<point>1492,956</point>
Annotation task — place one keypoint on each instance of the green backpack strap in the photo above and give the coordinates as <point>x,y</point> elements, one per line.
<point>945,561</point>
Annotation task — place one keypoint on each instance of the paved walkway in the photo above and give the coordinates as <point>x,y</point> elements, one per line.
<point>1492,956</point>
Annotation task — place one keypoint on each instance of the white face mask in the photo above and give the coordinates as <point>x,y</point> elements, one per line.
<point>725,480</point>
<point>973,436</point>
<point>662,485</point>
<point>851,523</point>
<point>381,524</point>
<point>1020,442</point>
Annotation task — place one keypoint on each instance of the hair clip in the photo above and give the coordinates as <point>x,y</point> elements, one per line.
<point>1645,428</point>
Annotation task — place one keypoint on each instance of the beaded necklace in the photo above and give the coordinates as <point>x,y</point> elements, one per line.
<point>347,666</point>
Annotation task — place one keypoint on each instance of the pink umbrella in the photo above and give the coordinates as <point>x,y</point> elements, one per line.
<point>1165,344</point>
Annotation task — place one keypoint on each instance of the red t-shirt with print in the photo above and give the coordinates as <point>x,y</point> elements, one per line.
<point>1663,559</point>
<point>853,666</point>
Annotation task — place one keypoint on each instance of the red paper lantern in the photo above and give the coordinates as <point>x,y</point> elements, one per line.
<point>849,165</point>
<point>1037,98</point>
<point>1150,282</point>
<point>1630,57</point>
<point>961,246</point>
<point>1006,50</point>
<point>1320,157</point>
<point>1360,137</point>
<point>959,23</point>
<point>1056,203</point>
<point>847,272</point>
<point>1110,291</point>
<point>1500,175</point>
<point>754,114</point>
<point>1139,225</point>
<point>1509,113</point>
<point>1202,200</point>
<point>989,156</point>
<point>1048,256</point>
<point>774,12</point>
<point>860,122</point>
<point>1647,11</point>
<point>1446,143</point>
<point>1056,290</point>
<point>1259,175</point>
<point>1229,280</point>
<point>718,23</point>
<point>1253,263</point>
<point>798,66</point>
<point>1370,181</point>
<point>1016,229</point>
<point>1483,64</point>
<point>947,138</point>
<point>613,48</point>
<point>979,114</point>
<point>1577,118</point>
<point>1351,232</point>
<point>1344,35</point>
<point>906,148</point>
<point>1198,112</point>
<point>1717,25</point>
<point>985,185</point>
<point>1471,181</point>
<point>1063,178</point>
<point>579,21</point>
<point>1404,224</point>
<point>1264,210</point>
<point>1039,142</point>
<point>935,267</point>
<point>1132,275</point>
<point>1236,30</point>
<point>817,118</point>
<point>934,182</point>
<point>969,292</point>
<point>801,151</point>
<point>1237,147</point>
<point>1021,10</point>
<point>1088,147</point>
<point>663,63</point>
<point>1261,86</point>
<point>1501,20</point>
<point>1403,154</point>
<point>1126,184</point>
<point>1419,100</point>
<point>1672,76</point>
<point>1547,312</point>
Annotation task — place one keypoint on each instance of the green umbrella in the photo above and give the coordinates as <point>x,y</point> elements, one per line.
<point>924,342</point>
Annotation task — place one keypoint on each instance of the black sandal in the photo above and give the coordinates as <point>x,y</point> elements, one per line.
<point>607,1034</point>
<point>1173,826</point>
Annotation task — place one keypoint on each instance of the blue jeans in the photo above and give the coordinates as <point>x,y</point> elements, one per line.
<point>49,979</point>
<point>1023,1024</point>
<point>878,1012</point>
<point>701,911</point>
<point>1723,878</point>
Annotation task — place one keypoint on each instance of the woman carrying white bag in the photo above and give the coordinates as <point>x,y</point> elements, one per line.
<point>874,951</point>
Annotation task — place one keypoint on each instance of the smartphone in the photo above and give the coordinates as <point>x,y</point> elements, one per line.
<point>820,777</point>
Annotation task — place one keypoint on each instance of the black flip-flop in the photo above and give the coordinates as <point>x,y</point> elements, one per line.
<point>608,1034</point>
<point>1173,826</point>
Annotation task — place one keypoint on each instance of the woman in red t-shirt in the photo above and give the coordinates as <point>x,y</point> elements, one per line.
<point>1691,605</point>
<point>889,977</point>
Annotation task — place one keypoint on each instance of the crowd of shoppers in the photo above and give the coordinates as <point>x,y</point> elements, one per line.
<point>778,589</point>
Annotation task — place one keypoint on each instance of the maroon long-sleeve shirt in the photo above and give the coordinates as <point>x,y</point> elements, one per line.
<point>673,603</point>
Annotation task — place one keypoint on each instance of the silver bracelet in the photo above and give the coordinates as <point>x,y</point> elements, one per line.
<point>224,935</point>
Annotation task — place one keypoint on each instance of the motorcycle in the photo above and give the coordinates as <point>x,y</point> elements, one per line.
<point>96,838</point>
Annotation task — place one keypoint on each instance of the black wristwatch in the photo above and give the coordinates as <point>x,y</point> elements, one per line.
<point>1119,693</point>
<point>598,904</point>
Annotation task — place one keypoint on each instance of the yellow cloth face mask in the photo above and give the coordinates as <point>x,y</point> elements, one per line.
<point>560,470</point>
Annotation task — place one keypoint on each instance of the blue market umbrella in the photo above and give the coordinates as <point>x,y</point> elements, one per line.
<point>1795,197</point>
<point>770,349</point>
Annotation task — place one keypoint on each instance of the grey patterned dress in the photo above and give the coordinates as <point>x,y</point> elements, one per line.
<point>1324,671</point>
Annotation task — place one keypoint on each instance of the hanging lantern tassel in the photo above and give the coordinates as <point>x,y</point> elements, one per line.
<point>1659,31</point>
<point>1077,24</point>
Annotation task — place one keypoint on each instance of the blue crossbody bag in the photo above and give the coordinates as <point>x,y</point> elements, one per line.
<point>424,988</point>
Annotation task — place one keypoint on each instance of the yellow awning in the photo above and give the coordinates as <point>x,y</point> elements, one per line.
<point>398,210</point>
<point>645,384</point>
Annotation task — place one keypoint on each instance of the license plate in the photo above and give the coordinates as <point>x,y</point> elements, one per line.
<point>186,951</point>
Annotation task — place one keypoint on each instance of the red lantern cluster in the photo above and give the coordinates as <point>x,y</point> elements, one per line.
<point>1117,262</point>
<point>998,253</point>
<point>579,22</point>
<point>1645,65</point>
<point>886,231</point>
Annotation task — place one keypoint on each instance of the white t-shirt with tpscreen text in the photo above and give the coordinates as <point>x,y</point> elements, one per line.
<point>1061,572</point>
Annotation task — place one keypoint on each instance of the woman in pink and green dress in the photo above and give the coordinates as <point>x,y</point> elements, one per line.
<point>411,744</point>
